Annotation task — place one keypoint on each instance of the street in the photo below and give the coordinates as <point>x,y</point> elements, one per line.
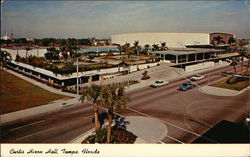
<point>187,114</point>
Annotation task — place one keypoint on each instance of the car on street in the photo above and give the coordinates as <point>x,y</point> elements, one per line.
<point>197,77</point>
<point>186,86</point>
<point>159,83</point>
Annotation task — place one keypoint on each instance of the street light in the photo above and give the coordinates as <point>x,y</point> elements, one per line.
<point>77,81</point>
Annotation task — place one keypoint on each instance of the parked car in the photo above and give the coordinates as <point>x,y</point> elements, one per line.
<point>159,83</point>
<point>197,77</point>
<point>186,86</point>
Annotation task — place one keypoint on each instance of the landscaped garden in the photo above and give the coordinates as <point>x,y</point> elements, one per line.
<point>17,94</point>
<point>114,98</point>
<point>233,83</point>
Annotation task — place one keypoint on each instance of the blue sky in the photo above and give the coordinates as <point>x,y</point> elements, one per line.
<point>101,19</point>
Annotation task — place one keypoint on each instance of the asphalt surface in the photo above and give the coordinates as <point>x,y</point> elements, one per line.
<point>187,114</point>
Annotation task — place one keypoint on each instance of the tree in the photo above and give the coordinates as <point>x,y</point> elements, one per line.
<point>217,40</point>
<point>5,58</point>
<point>136,47</point>
<point>231,40</point>
<point>91,57</point>
<point>145,75</point>
<point>235,61</point>
<point>155,47</point>
<point>146,48</point>
<point>27,50</point>
<point>248,61</point>
<point>115,99</point>
<point>64,52</point>
<point>93,94</point>
<point>242,51</point>
<point>163,46</point>
<point>52,54</point>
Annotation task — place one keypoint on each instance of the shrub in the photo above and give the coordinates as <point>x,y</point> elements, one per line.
<point>145,75</point>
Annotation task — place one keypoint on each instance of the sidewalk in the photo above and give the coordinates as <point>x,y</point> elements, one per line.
<point>221,91</point>
<point>153,132</point>
<point>8,117</point>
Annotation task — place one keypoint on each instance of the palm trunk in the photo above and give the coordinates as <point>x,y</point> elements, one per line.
<point>95,106</point>
<point>241,66</point>
<point>235,70</point>
<point>248,62</point>
<point>110,124</point>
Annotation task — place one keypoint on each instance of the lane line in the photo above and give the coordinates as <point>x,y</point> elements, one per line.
<point>174,139</point>
<point>172,125</point>
<point>34,134</point>
<point>27,125</point>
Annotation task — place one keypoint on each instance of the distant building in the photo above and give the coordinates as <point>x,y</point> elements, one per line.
<point>30,39</point>
<point>173,39</point>
<point>7,36</point>
<point>100,42</point>
<point>221,38</point>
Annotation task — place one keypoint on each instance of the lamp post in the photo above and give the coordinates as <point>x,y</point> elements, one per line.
<point>77,81</point>
<point>36,50</point>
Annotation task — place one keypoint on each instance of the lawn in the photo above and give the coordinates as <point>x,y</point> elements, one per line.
<point>235,85</point>
<point>17,94</point>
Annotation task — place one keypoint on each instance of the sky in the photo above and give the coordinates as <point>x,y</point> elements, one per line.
<point>101,19</point>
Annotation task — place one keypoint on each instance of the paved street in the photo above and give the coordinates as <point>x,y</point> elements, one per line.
<point>186,114</point>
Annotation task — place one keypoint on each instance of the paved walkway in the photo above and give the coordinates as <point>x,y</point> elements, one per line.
<point>220,91</point>
<point>12,116</point>
<point>147,130</point>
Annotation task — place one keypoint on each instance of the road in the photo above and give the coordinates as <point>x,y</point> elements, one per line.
<point>187,114</point>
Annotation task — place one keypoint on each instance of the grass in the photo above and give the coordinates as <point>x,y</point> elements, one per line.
<point>237,85</point>
<point>17,94</point>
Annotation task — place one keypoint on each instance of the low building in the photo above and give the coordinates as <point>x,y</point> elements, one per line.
<point>186,55</point>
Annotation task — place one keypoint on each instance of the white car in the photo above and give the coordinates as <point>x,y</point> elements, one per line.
<point>159,83</point>
<point>197,77</point>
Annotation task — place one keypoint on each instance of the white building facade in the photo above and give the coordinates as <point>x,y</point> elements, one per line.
<point>173,40</point>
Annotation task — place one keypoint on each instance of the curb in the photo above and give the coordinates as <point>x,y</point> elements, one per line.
<point>236,93</point>
<point>25,113</point>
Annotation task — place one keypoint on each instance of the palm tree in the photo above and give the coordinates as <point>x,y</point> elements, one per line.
<point>155,47</point>
<point>242,52</point>
<point>242,55</point>
<point>115,99</point>
<point>27,50</point>
<point>163,46</point>
<point>63,50</point>
<point>136,47</point>
<point>93,94</point>
<point>248,62</point>
<point>234,62</point>
<point>146,48</point>
<point>120,48</point>
<point>5,58</point>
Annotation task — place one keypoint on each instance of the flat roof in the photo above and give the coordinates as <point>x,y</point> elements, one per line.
<point>188,51</point>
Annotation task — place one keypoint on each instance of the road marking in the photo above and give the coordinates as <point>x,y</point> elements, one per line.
<point>34,134</point>
<point>172,125</point>
<point>27,125</point>
<point>174,139</point>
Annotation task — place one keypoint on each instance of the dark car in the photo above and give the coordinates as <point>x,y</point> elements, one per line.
<point>186,86</point>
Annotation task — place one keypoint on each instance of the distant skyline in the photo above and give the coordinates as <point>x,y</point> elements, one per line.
<point>101,19</point>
